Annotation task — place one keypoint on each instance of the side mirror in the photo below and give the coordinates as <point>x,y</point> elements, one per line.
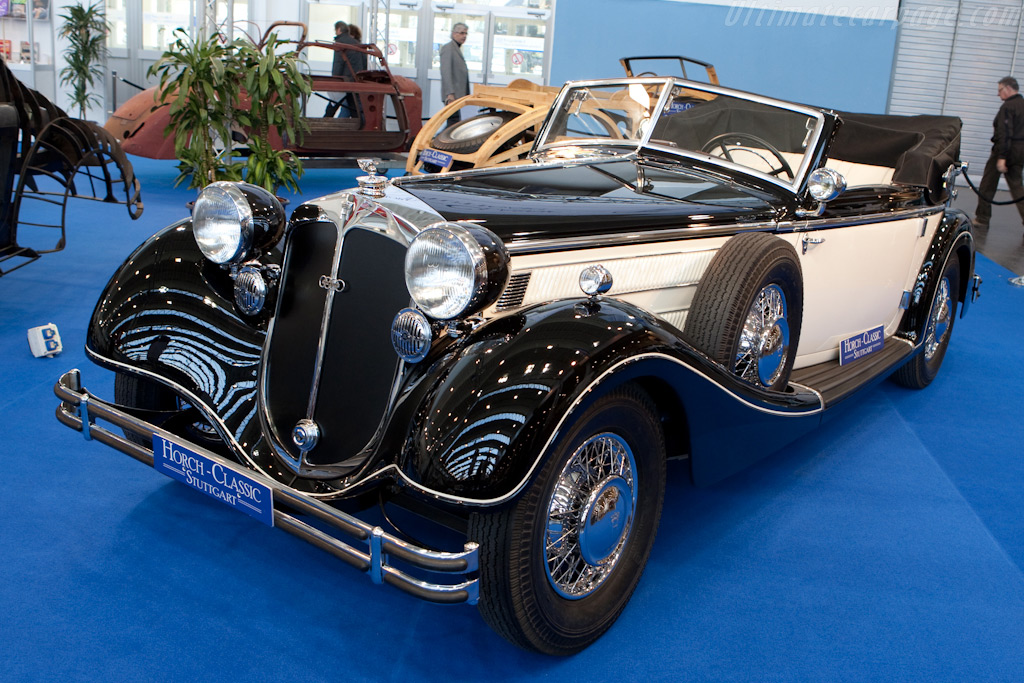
<point>823,185</point>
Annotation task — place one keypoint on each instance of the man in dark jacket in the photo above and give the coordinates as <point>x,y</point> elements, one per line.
<point>347,63</point>
<point>1007,156</point>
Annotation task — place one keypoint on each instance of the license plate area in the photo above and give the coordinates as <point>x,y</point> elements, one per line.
<point>432,156</point>
<point>233,488</point>
<point>862,344</point>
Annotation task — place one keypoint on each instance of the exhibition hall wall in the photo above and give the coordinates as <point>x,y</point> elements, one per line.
<point>826,54</point>
<point>835,55</point>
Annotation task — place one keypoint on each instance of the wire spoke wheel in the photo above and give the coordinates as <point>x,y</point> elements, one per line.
<point>590,515</point>
<point>924,366</point>
<point>747,310</point>
<point>939,321</point>
<point>558,566</point>
<point>764,339</point>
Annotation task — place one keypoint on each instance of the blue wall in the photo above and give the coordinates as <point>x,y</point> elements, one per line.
<point>837,62</point>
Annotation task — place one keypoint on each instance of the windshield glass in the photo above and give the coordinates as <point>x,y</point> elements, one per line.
<point>618,114</point>
<point>746,132</point>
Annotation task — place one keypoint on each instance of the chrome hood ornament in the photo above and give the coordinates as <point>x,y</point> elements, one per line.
<point>371,185</point>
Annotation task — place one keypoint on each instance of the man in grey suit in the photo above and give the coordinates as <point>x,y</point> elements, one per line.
<point>454,74</point>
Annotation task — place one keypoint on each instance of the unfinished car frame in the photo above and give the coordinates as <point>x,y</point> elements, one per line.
<point>385,118</point>
<point>509,119</point>
<point>47,159</point>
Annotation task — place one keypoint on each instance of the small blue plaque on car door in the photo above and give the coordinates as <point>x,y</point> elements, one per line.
<point>860,345</point>
<point>236,489</point>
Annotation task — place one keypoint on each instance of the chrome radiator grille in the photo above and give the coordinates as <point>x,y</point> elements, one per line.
<point>330,357</point>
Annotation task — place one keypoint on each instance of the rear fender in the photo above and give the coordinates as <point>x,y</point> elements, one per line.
<point>952,240</point>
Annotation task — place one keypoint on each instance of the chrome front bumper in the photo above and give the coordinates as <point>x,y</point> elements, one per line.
<point>374,548</point>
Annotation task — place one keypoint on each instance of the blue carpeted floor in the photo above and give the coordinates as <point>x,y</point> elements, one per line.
<point>888,545</point>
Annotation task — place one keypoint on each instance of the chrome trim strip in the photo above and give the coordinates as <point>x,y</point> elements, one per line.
<point>192,399</point>
<point>528,246</point>
<point>851,221</point>
<point>325,320</point>
<point>812,390</point>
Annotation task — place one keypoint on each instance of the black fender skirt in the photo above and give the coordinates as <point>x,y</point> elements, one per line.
<point>497,404</point>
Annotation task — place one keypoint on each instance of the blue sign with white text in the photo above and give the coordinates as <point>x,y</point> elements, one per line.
<point>432,156</point>
<point>240,491</point>
<point>676,107</point>
<point>860,345</point>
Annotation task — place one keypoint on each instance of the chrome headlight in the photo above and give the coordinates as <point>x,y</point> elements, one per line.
<point>231,221</point>
<point>454,269</point>
<point>825,184</point>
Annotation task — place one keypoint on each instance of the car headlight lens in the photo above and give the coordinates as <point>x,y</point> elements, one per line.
<point>231,220</point>
<point>825,184</point>
<point>454,269</point>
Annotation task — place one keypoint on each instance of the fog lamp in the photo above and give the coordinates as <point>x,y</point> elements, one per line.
<point>411,335</point>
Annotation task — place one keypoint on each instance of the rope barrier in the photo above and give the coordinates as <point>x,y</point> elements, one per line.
<point>990,200</point>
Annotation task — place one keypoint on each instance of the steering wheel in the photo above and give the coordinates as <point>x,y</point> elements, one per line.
<point>751,142</point>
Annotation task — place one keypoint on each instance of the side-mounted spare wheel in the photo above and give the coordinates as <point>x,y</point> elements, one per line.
<point>467,136</point>
<point>748,307</point>
<point>558,566</point>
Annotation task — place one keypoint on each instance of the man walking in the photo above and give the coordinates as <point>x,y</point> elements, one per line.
<point>1007,156</point>
<point>454,73</point>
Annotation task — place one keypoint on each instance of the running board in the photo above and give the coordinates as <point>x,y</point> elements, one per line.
<point>835,382</point>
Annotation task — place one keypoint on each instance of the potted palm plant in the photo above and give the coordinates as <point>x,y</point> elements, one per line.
<point>275,88</point>
<point>199,83</point>
<point>220,91</point>
<point>85,29</point>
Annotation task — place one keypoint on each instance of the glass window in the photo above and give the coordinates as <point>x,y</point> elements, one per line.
<point>518,46</point>
<point>159,20</point>
<point>608,114</point>
<point>239,14</point>
<point>321,27</point>
<point>519,4</point>
<point>117,17</point>
<point>402,27</point>
<point>472,49</point>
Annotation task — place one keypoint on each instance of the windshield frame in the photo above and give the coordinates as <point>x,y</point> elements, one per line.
<point>543,149</point>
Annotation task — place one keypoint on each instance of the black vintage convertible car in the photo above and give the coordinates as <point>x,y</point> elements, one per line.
<point>679,271</point>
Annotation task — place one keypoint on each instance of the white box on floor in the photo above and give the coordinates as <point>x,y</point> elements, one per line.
<point>44,340</point>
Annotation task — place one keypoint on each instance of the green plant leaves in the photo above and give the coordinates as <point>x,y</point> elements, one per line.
<point>85,29</point>
<point>216,87</point>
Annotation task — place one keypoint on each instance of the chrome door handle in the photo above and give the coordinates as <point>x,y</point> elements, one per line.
<point>808,242</point>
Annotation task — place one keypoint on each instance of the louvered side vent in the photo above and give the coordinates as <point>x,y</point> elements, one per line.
<point>514,292</point>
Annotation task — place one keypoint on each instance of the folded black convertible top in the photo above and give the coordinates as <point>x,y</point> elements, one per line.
<point>920,148</point>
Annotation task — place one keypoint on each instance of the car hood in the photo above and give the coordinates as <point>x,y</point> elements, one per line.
<point>576,200</point>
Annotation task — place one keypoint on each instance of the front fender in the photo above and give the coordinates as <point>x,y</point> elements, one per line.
<point>490,410</point>
<point>484,426</point>
<point>169,314</point>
